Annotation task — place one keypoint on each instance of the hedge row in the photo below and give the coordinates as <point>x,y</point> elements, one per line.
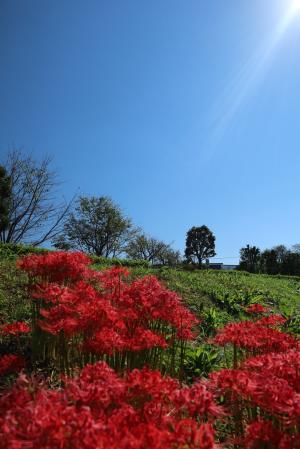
<point>13,250</point>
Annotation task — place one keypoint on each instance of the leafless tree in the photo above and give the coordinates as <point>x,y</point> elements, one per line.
<point>35,214</point>
<point>155,251</point>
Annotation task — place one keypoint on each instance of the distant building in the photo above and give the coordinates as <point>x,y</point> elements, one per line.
<point>229,267</point>
<point>220,266</point>
<point>215,266</point>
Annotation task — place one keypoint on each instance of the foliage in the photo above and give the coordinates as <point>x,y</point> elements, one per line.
<point>200,244</point>
<point>97,226</point>
<point>33,216</point>
<point>278,260</point>
<point>249,259</point>
<point>101,261</point>
<point>14,250</point>
<point>199,362</point>
<point>14,301</point>
<point>210,322</point>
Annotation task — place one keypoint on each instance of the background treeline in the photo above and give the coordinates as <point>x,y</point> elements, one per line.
<point>32,215</point>
<point>274,261</point>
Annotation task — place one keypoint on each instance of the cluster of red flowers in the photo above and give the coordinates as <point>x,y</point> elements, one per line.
<point>256,308</point>
<point>118,318</point>
<point>99,410</point>
<point>262,434</point>
<point>16,328</point>
<point>58,266</point>
<point>258,336</point>
<point>266,386</point>
<point>11,364</point>
<point>105,312</point>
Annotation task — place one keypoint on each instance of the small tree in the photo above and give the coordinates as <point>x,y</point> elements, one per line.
<point>200,244</point>
<point>249,259</point>
<point>97,226</point>
<point>155,251</point>
<point>28,192</point>
<point>169,256</point>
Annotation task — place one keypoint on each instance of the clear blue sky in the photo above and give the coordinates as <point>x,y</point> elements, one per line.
<point>184,112</point>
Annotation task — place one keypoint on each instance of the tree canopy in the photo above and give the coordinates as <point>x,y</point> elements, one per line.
<point>200,244</point>
<point>249,258</point>
<point>98,226</point>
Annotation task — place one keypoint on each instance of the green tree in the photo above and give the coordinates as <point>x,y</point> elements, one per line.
<point>291,264</point>
<point>5,200</point>
<point>200,244</point>
<point>269,263</point>
<point>250,259</point>
<point>97,226</point>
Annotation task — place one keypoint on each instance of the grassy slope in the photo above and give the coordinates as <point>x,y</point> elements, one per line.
<point>226,292</point>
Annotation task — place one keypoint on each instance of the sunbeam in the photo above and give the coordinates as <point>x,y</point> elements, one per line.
<point>250,75</point>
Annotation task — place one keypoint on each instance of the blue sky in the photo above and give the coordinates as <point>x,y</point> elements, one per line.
<point>184,112</point>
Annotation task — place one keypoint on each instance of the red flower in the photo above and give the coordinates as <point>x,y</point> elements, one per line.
<point>256,308</point>
<point>11,363</point>
<point>104,311</point>
<point>16,328</point>
<point>256,336</point>
<point>98,409</point>
<point>56,266</point>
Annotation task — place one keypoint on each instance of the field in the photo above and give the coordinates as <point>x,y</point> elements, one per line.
<point>218,370</point>
<point>227,292</point>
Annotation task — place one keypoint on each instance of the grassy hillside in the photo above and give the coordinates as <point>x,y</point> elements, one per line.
<point>218,296</point>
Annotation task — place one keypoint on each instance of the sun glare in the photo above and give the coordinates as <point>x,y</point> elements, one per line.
<point>295,7</point>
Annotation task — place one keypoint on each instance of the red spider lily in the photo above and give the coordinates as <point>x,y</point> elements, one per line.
<point>272,394</point>
<point>284,365</point>
<point>271,320</point>
<point>98,409</point>
<point>58,266</point>
<point>256,336</point>
<point>256,308</point>
<point>19,327</point>
<point>11,364</point>
<point>263,434</point>
<point>266,386</point>
<point>103,312</point>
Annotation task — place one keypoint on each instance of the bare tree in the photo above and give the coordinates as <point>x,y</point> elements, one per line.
<point>35,216</point>
<point>155,251</point>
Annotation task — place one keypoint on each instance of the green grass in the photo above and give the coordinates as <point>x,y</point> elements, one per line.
<point>230,291</point>
<point>15,304</point>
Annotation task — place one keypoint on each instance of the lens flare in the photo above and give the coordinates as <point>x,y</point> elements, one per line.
<point>251,73</point>
<point>295,7</point>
